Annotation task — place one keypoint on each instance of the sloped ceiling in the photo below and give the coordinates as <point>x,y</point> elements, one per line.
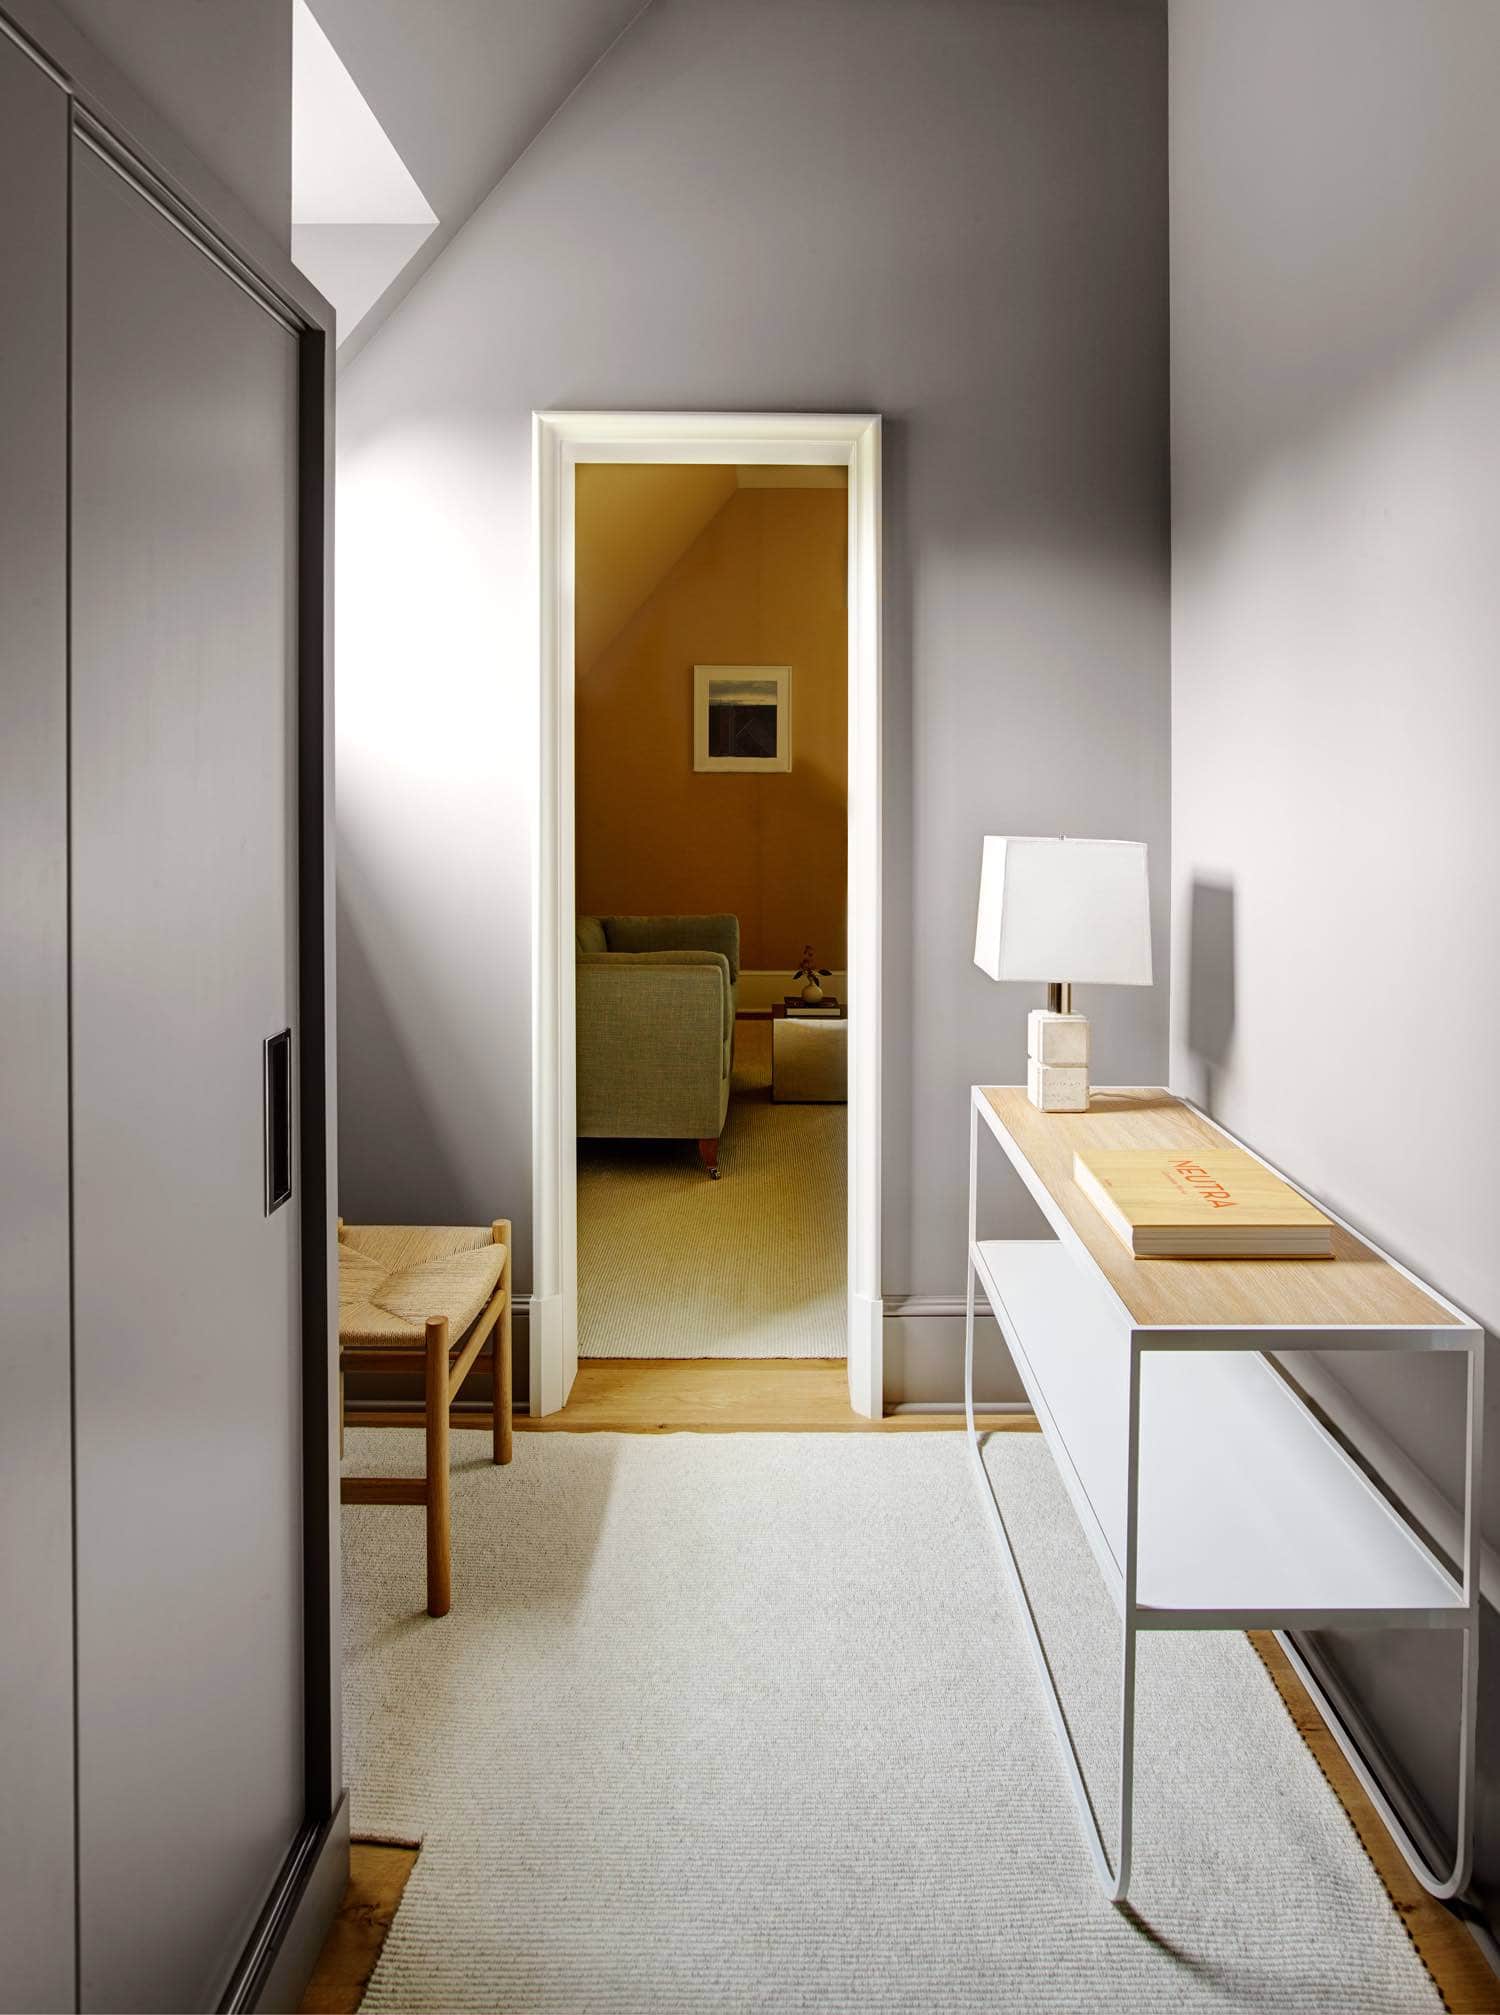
<point>462,88</point>
<point>357,215</point>
<point>635,521</point>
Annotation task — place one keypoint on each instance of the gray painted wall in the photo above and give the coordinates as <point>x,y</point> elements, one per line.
<point>220,73</point>
<point>1336,710</point>
<point>950,212</point>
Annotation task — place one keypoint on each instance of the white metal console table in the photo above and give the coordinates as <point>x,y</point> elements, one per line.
<point>1210,1494</point>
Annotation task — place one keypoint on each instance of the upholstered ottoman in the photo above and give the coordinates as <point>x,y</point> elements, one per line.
<point>810,1059</point>
<point>426,1298</point>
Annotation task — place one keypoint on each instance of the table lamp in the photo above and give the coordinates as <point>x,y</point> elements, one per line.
<point>1055,907</point>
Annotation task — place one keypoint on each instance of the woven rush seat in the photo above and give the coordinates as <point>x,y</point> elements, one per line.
<point>380,1306</point>
<point>427,1298</point>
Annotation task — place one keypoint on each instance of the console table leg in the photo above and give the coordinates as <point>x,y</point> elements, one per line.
<point>1118,1885</point>
<point>1456,1881</point>
<point>1113,1880</point>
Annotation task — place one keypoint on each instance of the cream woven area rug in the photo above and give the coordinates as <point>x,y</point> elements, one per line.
<point>746,1722</point>
<point>673,1265</point>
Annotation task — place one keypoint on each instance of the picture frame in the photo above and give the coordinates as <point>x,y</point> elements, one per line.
<point>742,718</point>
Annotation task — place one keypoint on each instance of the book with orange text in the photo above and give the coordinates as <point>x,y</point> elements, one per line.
<point>1213,1203</point>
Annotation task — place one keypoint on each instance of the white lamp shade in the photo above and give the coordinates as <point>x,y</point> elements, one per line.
<point>1059,909</point>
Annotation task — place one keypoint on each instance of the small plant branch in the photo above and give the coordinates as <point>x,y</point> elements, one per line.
<point>809,970</point>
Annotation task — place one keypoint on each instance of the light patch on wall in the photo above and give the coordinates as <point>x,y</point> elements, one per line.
<point>357,213</point>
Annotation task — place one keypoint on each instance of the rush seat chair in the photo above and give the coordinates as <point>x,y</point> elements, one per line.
<point>426,1298</point>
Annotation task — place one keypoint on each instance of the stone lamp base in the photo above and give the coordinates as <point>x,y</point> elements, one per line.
<point>1057,1061</point>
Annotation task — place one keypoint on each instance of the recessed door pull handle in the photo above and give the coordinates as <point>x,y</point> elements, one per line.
<point>278,1089</point>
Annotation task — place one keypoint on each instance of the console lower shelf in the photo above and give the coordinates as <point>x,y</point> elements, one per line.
<point>1250,1513</point>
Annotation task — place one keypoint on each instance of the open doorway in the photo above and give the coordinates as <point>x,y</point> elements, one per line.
<point>650,526</point>
<point>710,867</point>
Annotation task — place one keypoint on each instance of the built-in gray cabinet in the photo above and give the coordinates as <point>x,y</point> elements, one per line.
<point>186,1301</point>
<point>167,1776</point>
<point>36,1519</point>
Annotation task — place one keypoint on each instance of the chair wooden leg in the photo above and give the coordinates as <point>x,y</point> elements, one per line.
<point>439,1524</point>
<point>501,1366</point>
<point>503,1373</point>
<point>708,1154</point>
<point>340,1235</point>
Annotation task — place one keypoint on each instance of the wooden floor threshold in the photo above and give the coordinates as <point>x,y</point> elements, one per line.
<point>692,1395</point>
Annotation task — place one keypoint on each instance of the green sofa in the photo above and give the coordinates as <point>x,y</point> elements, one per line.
<point>656,1002</point>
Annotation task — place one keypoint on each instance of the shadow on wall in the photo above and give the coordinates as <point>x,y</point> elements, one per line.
<point>394,1161</point>
<point>1210,981</point>
<point>1390,270</point>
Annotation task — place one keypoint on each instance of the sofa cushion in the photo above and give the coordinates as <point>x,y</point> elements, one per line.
<point>719,934</point>
<point>588,935</point>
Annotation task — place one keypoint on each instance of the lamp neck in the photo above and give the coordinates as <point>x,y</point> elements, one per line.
<point>1059,996</point>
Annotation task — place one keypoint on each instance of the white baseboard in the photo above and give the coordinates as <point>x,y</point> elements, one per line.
<point>544,1314</point>
<point>866,1339</point>
<point>923,1352</point>
<point>759,992</point>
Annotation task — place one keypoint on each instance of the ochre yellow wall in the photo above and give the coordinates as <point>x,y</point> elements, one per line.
<point>763,584</point>
<point>634,521</point>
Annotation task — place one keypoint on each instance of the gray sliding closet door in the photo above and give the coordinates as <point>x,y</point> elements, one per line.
<point>187,1313</point>
<point>36,1518</point>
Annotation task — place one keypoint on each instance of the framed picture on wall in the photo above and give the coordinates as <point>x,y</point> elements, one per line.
<point>742,717</point>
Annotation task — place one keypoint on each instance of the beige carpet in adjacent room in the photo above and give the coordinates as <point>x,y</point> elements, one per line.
<point>747,1722</point>
<point>673,1265</point>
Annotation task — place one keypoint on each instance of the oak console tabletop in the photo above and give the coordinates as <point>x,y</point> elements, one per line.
<point>1358,1286</point>
<point>1210,1493</point>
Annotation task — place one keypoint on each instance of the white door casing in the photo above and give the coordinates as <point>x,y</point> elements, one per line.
<point>560,441</point>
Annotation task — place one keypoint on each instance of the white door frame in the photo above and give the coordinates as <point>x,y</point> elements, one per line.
<point>560,441</point>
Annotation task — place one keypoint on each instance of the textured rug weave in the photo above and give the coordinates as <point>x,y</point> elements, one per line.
<point>746,1722</point>
<point>673,1265</point>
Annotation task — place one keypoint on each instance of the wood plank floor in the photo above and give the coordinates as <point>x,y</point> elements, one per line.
<point>377,1877</point>
<point>811,1395</point>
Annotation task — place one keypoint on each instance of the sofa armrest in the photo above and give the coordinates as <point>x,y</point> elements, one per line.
<point>652,1037</point>
<point>659,961</point>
